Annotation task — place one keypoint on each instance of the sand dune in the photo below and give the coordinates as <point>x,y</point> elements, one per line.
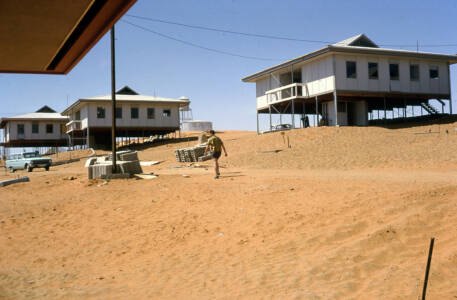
<point>345,213</point>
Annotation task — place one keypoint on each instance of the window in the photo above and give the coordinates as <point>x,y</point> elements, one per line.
<point>351,69</point>
<point>151,113</point>
<point>100,112</point>
<point>118,112</point>
<point>414,72</point>
<point>134,112</point>
<point>373,70</point>
<point>394,72</point>
<point>434,74</point>
<point>20,128</point>
<point>49,128</point>
<point>35,128</point>
<point>166,113</point>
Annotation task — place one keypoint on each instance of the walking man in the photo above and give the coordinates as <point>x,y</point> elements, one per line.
<point>215,146</point>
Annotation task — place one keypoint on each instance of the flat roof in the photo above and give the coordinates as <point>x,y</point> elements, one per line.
<point>335,48</point>
<point>52,36</point>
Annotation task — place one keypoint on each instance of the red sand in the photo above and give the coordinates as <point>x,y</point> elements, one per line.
<point>345,213</point>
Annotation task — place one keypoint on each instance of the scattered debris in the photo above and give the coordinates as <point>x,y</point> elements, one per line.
<point>126,163</point>
<point>103,183</point>
<point>149,163</point>
<point>63,162</point>
<point>12,181</point>
<point>190,154</point>
<point>146,176</point>
<point>270,151</point>
<point>70,178</point>
<point>185,176</point>
<point>205,158</point>
<point>220,234</point>
<point>31,281</point>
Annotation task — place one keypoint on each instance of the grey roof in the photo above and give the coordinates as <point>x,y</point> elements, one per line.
<point>358,40</point>
<point>36,116</point>
<point>135,98</point>
<point>346,46</point>
<point>121,98</point>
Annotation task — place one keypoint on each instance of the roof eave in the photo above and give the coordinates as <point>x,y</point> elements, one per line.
<point>251,78</point>
<point>83,100</point>
<point>381,51</point>
<point>451,59</point>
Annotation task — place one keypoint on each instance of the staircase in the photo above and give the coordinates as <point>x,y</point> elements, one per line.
<point>430,109</point>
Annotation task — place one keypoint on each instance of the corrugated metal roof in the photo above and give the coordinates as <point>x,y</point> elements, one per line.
<point>35,115</point>
<point>358,39</point>
<point>183,101</point>
<point>345,46</point>
<point>135,98</point>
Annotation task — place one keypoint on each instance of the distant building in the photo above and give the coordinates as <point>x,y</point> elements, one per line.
<point>196,125</point>
<point>354,78</point>
<point>136,116</point>
<point>43,128</point>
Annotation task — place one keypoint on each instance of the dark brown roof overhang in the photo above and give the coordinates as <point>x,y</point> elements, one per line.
<point>52,36</point>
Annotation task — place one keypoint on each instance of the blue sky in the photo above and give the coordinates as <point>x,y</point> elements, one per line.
<point>153,65</point>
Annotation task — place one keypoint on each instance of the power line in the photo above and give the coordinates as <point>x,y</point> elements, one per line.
<point>230,31</point>
<point>198,46</point>
<point>275,37</point>
<point>426,45</point>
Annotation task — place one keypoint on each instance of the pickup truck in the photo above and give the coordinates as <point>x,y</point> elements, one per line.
<point>28,161</point>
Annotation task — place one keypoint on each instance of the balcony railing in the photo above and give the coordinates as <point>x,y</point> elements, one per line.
<point>287,92</point>
<point>73,125</point>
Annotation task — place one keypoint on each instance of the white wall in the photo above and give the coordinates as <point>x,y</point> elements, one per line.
<point>383,83</point>
<point>329,113</point>
<point>41,135</point>
<point>261,87</point>
<point>361,116</point>
<point>126,121</point>
<point>318,75</point>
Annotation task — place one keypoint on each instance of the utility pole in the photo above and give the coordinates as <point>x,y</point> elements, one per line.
<point>113,98</point>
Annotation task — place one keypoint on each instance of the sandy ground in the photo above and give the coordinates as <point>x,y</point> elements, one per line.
<point>344,213</point>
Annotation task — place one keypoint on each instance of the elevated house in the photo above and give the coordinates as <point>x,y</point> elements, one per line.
<point>43,128</point>
<point>354,81</point>
<point>136,116</point>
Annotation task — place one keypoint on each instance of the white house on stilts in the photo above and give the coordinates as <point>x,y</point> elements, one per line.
<point>355,82</point>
